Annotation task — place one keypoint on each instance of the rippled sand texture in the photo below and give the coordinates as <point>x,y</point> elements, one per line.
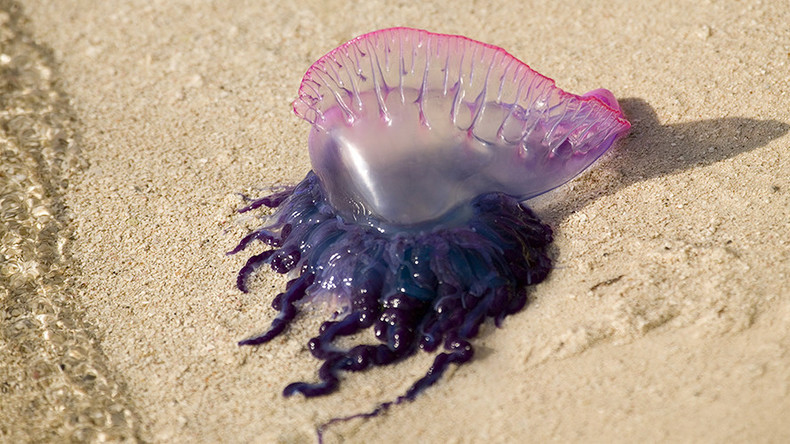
<point>666,319</point>
<point>54,381</point>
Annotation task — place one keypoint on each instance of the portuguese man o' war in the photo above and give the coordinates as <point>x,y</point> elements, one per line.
<point>423,147</point>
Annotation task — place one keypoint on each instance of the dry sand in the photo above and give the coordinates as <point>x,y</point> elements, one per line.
<point>667,317</point>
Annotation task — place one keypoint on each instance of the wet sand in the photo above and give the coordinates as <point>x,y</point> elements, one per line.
<point>667,317</point>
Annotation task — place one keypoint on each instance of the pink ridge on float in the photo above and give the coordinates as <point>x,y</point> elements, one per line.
<point>409,124</point>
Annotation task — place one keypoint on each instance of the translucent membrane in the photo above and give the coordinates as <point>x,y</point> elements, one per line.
<point>408,125</point>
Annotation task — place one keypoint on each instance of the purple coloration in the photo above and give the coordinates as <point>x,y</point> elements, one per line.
<point>271,201</point>
<point>417,288</point>
<point>422,147</point>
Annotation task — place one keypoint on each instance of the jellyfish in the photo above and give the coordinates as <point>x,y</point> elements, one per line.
<point>423,148</point>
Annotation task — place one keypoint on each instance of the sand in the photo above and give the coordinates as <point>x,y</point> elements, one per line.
<point>667,317</point>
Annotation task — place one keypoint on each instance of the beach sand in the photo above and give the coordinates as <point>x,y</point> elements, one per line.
<point>666,318</point>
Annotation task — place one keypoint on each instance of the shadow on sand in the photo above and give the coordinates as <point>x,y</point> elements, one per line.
<point>653,150</point>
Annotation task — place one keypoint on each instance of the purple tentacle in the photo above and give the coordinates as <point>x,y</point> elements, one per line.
<point>252,264</point>
<point>271,201</point>
<point>287,312</point>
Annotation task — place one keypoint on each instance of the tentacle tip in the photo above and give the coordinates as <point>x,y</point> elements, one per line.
<point>293,389</point>
<point>236,249</point>
<point>257,340</point>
